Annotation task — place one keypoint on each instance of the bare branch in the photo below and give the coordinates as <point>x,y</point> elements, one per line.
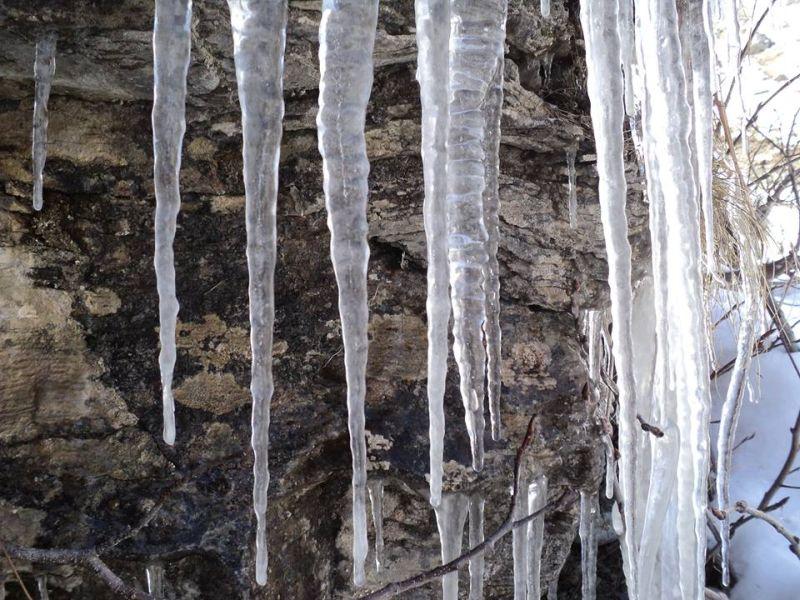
<point>794,541</point>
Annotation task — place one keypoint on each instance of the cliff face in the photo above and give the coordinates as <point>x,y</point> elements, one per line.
<point>80,416</point>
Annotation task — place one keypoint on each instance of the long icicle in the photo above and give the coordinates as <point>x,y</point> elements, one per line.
<point>347,37</point>
<point>451,513</point>
<point>171,53</point>
<point>600,23</point>
<point>476,47</point>
<point>493,108</point>
<point>259,39</point>
<point>476,536</point>
<point>588,534</point>
<point>669,132</point>
<point>375,487</point>
<point>537,498</point>
<point>44,68</point>
<point>519,541</point>
<point>433,29</point>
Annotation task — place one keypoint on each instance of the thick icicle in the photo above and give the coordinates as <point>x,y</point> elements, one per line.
<point>519,541</point>
<point>544,5</point>
<point>44,68</point>
<point>171,48</point>
<point>347,36</point>
<point>476,564</point>
<point>668,132</point>
<point>572,191</point>
<point>155,580</point>
<point>700,36</point>
<point>588,535</point>
<point>604,83</point>
<point>376,502</point>
<point>537,498</point>
<point>259,38</point>
<point>477,31</point>
<point>41,585</point>
<point>451,513</point>
<point>493,107</point>
<point>433,29</point>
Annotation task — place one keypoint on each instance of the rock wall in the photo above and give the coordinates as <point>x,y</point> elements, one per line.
<point>80,416</point>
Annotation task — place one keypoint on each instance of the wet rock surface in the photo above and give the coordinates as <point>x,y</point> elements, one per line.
<point>80,416</point>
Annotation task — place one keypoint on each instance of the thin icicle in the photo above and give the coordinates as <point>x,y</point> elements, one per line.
<point>604,82</point>
<point>700,38</point>
<point>451,513</point>
<point>477,31</point>
<point>493,107</point>
<point>627,52</point>
<point>552,589</point>
<point>171,50</point>
<point>259,38</point>
<point>44,68</point>
<point>476,563</point>
<point>155,580</point>
<point>519,541</point>
<point>545,8</point>
<point>3,589</point>
<point>41,585</point>
<point>588,535</point>
<point>537,498</point>
<point>668,132</point>
<point>572,191</point>
<point>376,502</point>
<point>433,34</point>
<point>347,36</point>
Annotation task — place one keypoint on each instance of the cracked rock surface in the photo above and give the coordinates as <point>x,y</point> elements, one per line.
<point>80,428</point>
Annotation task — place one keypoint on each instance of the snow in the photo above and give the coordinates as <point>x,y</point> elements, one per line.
<point>347,36</point>
<point>259,38</point>
<point>171,50</point>
<point>44,68</point>
<point>433,27</point>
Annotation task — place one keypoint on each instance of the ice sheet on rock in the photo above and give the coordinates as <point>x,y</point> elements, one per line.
<point>259,39</point>
<point>537,498</point>
<point>451,514</point>
<point>433,34</point>
<point>604,83</point>
<point>493,106</point>
<point>476,536</point>
<point>44,68</point>
<point>476,48</point>
<point>347,37</point>
<point>588,535</point>
<point>375,488</point>
<point>171,52</point>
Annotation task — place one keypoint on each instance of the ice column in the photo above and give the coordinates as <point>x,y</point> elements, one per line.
<point>171,47</point>
<point>347,36</point>
<point>433,34</point>
<point>44,68</point>
<point>259,38</point>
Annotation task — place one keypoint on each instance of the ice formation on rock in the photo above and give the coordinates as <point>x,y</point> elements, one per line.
<point>44,68</point>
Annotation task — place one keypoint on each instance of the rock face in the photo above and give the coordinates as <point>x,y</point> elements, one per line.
<point>80,413</point>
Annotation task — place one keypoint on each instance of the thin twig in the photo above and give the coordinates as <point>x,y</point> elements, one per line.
<point>794,541</point>
<point>16,573</point>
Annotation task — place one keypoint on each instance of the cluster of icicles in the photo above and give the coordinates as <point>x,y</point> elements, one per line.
<point>644,62</point>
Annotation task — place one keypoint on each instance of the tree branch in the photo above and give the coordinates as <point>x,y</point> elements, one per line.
<point>794,541</point>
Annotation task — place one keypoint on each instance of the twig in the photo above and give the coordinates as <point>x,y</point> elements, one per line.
<point>88,558</point>
<point>794,541</point>
<point>656,431</point>
<point>16,573</point>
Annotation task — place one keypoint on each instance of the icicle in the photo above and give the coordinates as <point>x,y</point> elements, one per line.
<point>259,38</point>
<point>44,68</point>
<point>155,580</point>
<point>599,21</point>
<point>572,192</point>
<point>451,513</point>
<point>347,36</point>
<point>433,28</point>
<point>667,132</point>
<point>476,50</point>
<point>171,47</point>
<point>627,52</point>
<point>41,585</point>
<point>376,502</point>
<point>493,107</point>
<point>700,36</point>
<point>3,589</point>
<point>545,8</point>
<point>552,589</point>
<point>588,535</point>
<point>476,564</point>
<point>537,498</point>
<point>519,541</point>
